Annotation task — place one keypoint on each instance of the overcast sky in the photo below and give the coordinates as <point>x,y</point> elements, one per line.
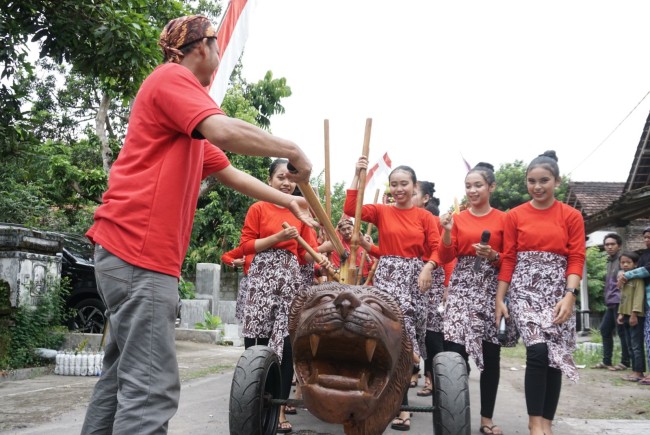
<point>497,81</point>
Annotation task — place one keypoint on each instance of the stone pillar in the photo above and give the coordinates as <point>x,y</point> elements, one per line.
<point>208,279</point>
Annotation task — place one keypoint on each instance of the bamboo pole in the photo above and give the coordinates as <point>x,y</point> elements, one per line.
<point>361,188</point>
<point>328,195</point>
<point>371,273</point>
<point>315,255</point>
<point>368,232</point>
<point>319,211</point>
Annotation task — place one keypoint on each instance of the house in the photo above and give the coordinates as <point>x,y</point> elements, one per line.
<point>620,207</point>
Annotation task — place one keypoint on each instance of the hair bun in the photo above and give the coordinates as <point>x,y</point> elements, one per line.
<point>484,165</point>
<point>550,154</point>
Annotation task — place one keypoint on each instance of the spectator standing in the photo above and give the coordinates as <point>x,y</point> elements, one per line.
<point>631,315</point>
<point>643,271</point>
<point>613,244</point>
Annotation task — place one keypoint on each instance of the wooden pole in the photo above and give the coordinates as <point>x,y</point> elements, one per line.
<point>328,195</point>
<point>371,274</point>
<point>368,232</point>
<point>319,211</point>
<point>315,255</point>
<point>354,243</point>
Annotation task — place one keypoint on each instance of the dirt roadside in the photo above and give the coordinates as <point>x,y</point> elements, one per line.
<point>600,394</point>
<point>28,402</point>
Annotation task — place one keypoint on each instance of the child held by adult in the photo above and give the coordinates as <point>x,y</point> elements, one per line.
<point>643,271</point>
<point>631,314</point>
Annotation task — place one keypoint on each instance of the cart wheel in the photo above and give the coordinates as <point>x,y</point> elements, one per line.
<point>255,383</point>
<point>451,411</point>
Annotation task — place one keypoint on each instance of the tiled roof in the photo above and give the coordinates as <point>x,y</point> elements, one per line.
<point>640,171</point>
<point>591,197</point>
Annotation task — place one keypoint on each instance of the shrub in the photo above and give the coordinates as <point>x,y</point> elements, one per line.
<point>210,322</point>
<point>37,326</point>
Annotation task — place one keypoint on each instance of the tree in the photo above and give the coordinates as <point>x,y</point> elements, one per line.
<point>511,189</point>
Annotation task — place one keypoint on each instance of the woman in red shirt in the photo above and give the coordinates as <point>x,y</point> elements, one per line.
<point>273,276</point>
<point>236,258</point>
<point>543,260</point>
<point>469,315</point>
<point>407,234</point>
<point>433,299</point>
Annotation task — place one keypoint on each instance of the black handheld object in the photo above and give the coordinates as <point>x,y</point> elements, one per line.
<point>485,238</point>
<point>502,335</point>
<point>291,168</point>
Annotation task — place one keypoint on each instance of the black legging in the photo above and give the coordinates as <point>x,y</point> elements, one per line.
<point>434,345</point>
<point>542,383</point>
<point>286,367</point>
<point>489,381</point>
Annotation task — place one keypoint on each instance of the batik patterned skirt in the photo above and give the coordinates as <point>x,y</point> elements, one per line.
<point>398,276</point>
<point>469,314</point>
<point>538,284</point>
<point>241,298</point>
<point>434,298</point>
<point>306,275</point>
<point>273,279</point>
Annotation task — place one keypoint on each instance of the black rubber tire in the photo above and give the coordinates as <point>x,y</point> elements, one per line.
<point>256,381</point>
<point>451,410</point>
<point>89,316</point>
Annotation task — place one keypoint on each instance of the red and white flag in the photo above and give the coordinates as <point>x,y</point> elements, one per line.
<point>231,38</point>
<point>378,175</point>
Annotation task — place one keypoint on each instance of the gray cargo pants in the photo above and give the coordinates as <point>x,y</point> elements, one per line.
<point>139,388</point>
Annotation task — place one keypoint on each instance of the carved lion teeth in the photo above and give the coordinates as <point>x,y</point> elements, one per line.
<point>313,342</point>
<point>363,382</point>
<point>371,344</point>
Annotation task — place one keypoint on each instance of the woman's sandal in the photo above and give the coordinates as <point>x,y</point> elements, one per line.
<point>401,424</point>
<point>288,409</point>
<point>618,367</point>
<point>284,427</point>
<point>489,430</point>
<point>600,365</point>
<point>427,390</point>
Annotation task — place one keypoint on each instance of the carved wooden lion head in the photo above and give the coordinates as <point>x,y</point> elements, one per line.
<point>351,354</point>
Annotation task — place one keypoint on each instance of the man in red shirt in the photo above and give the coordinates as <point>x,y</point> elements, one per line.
<point>175,138</point>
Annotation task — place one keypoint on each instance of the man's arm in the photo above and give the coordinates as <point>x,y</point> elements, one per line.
<point>235,135</point>
<point>251,186</point>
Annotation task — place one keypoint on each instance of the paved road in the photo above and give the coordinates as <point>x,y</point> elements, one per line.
<point>204,403</point>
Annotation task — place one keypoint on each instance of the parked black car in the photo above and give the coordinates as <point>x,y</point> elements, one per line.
<point>77,264</point>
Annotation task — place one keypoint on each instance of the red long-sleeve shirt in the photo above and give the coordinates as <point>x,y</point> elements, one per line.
<point>559,229</point>
<point>238,252</point>
<point>468,229</point>
<point>404,233</point>
<point>265,219</point>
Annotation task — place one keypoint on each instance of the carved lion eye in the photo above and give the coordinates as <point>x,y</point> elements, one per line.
<point>375,306</point>
<point>325,298</point>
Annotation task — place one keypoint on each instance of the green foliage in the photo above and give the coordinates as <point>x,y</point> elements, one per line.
<point>186,289</point>
<point>511,186</point>
<point>511,189</point>
<point>38,326</point>
<point>210,322</point>
<point>596,271</point>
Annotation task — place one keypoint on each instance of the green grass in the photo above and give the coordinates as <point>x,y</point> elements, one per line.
<point>206,371</point>
<point>580,355</point>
